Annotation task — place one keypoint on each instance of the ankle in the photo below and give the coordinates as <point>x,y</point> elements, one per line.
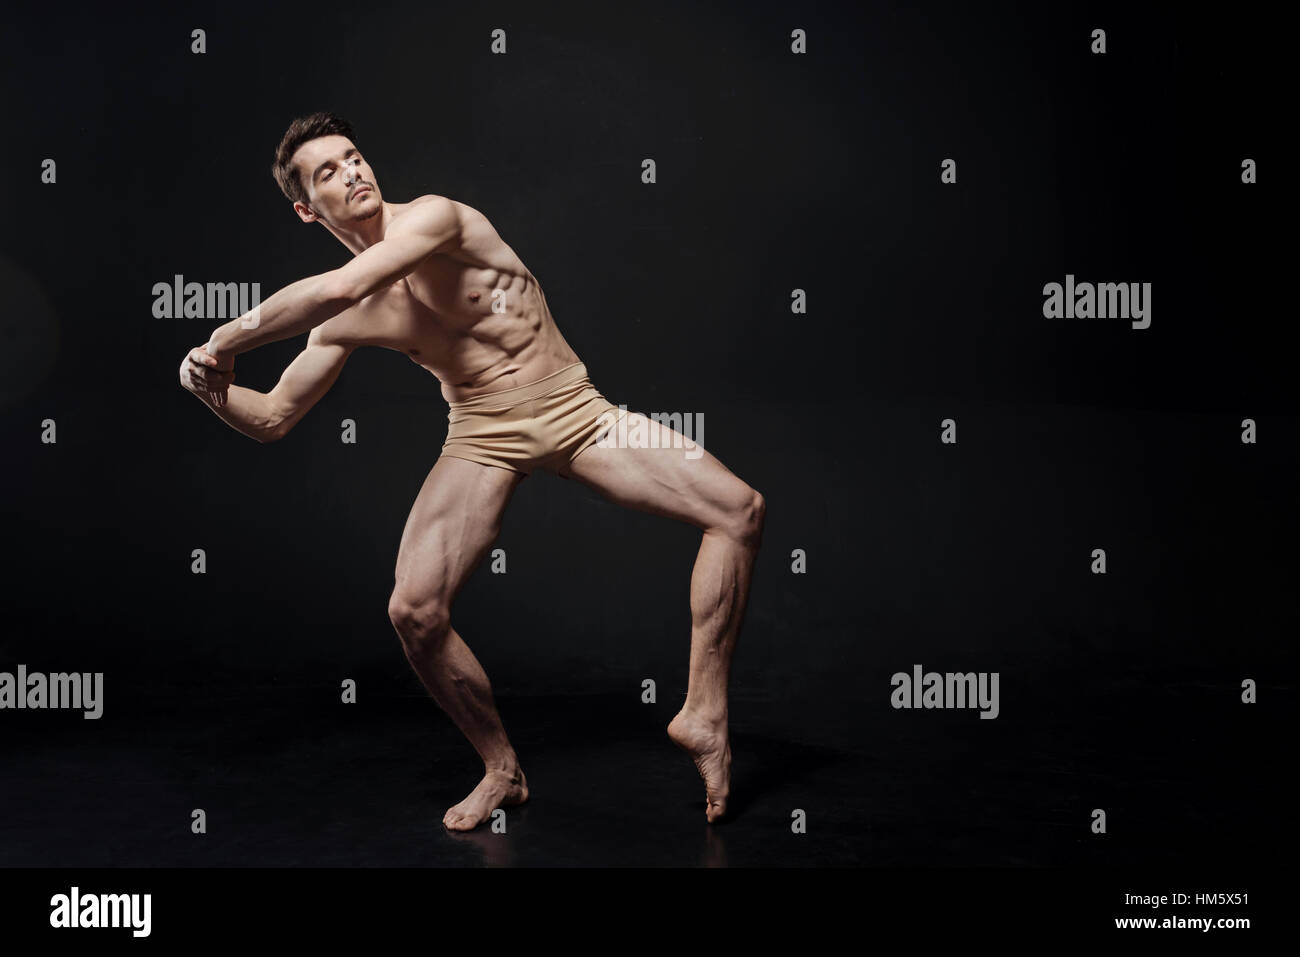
<point>509,768</point>
<point>714,717</point>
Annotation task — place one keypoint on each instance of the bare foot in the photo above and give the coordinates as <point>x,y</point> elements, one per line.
<point>497,789</point>
<point>710,748</point>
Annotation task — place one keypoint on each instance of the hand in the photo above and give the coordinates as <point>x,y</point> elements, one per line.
<point>201,373</point>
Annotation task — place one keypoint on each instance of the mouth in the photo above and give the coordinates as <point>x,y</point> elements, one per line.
<point>361,190</point>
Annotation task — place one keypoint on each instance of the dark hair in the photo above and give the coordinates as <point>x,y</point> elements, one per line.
<point>300,131</point>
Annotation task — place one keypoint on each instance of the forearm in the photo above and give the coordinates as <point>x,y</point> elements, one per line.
<point>297,308</point>
<point>247,411</point>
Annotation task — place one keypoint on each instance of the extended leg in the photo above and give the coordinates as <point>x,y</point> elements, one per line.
<point>456,516</point>
<point>703,492</point>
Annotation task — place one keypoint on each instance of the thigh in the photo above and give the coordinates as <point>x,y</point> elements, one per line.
<point>456,516</point>
<point>676,479</point>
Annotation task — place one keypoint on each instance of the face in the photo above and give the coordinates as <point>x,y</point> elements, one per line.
<point>340,185</point>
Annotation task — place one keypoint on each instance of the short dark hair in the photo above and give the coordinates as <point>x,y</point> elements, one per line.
<point>300,131</point>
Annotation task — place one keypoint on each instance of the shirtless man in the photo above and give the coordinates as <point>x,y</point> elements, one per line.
<point>431,278</point>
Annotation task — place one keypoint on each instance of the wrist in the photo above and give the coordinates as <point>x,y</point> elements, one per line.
<point>219,345</point>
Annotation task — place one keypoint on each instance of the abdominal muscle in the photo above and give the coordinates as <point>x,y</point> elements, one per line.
<point>505,371</point>
<point>493,353</point>
<point>471,350</point>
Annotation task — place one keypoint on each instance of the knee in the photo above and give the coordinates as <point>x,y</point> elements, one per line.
<point>422,625</point>
<point>746,518</point>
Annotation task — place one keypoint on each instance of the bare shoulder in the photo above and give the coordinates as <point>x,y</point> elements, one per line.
<point>426,212</point>
<point>435,198</point>
<point>458,230</point>
<point>420,201</point>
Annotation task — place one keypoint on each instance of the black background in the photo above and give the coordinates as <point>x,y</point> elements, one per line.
<point>775,172</point>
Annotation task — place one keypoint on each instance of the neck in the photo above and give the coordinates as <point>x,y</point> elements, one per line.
<point>360,236</point>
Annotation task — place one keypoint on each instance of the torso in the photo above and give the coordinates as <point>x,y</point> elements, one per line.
<point>475,318</point>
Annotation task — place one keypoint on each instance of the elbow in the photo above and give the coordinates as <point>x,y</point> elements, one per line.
<point>274,431</point>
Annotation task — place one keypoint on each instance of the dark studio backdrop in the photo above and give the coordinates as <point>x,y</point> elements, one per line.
<point>775,172</point>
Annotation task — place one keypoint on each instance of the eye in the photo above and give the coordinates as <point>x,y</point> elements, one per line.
<point>326,175</point>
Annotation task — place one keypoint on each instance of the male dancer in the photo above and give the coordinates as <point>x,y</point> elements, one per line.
<point>432,278</point>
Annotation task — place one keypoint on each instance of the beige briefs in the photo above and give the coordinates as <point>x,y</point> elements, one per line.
<point>543,424</point>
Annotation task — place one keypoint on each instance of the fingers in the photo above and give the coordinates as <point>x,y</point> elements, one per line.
<point>217,383</point>
<point>210,379</point>
<point>201,373</point>
<point>224,364</point>
<point>199,356</point>
<point>214,384</point>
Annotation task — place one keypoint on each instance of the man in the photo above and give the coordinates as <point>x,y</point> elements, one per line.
<point>432,278</point>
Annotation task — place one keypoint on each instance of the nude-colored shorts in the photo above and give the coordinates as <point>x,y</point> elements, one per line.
<point>543,424</point>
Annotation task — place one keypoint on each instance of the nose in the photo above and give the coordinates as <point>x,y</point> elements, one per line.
<point>350,174</point>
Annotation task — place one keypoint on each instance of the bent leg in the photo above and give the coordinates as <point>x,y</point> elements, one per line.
<point>456,517</point>
<point>703,492</point>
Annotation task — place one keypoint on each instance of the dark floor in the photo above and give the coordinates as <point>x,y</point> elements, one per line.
<point>301,780</point>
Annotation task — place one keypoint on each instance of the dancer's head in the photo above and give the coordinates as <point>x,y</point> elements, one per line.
<point>323,174</point>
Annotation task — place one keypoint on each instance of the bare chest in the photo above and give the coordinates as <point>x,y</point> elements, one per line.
<point>433,311</point>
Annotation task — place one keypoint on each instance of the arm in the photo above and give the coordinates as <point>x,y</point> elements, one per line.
<point>426,228</point>
<point>245,410</point>
<point>308,377</point>
<point>269,416</point>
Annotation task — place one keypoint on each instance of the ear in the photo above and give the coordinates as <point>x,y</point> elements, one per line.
<point>305,212</point>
